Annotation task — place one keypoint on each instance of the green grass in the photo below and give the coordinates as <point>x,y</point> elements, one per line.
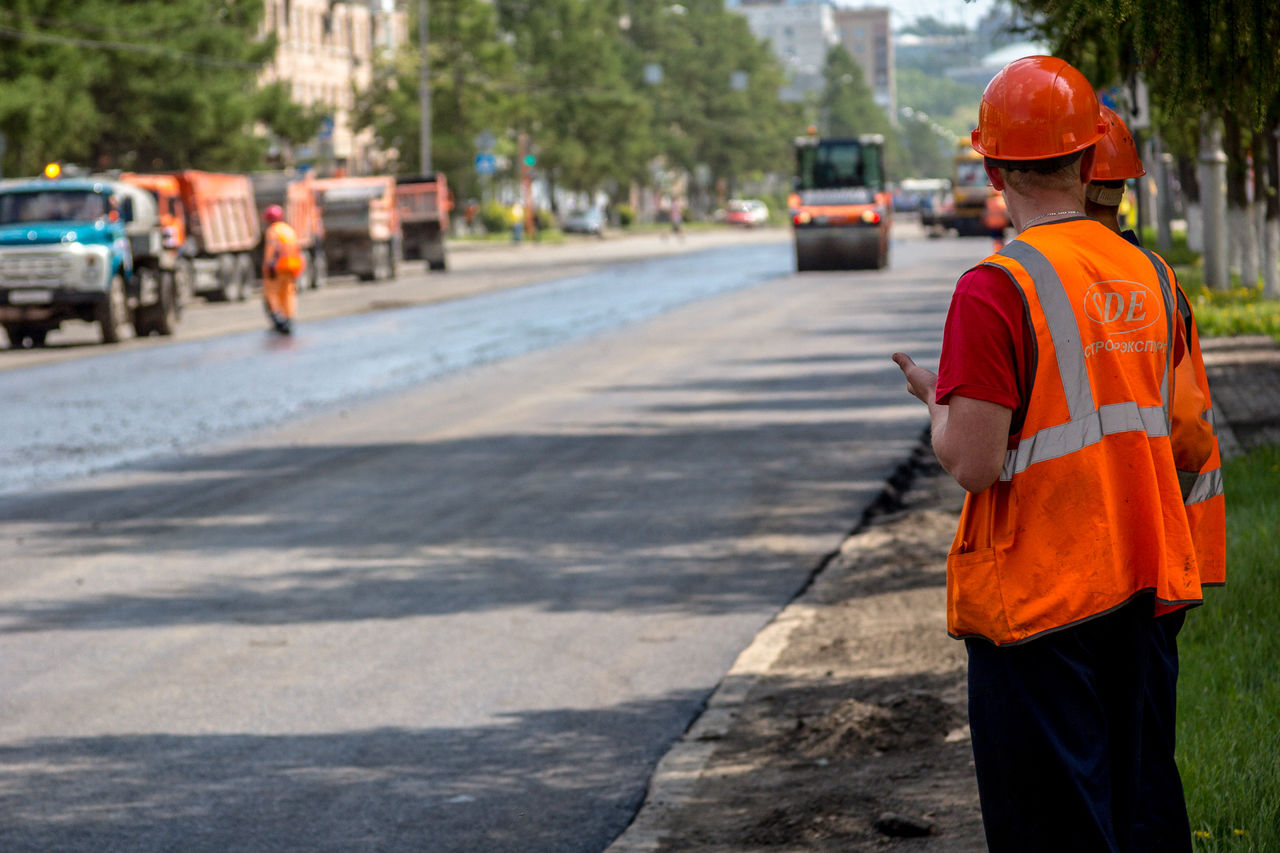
<point>1229,688</point>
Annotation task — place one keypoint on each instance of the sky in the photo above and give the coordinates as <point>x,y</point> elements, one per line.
<point>903,12</point>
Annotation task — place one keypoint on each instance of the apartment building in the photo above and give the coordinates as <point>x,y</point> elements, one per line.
<point>801,32</point>
<point>326,54</point>
<point>800,35</point>
<point>868,37</point>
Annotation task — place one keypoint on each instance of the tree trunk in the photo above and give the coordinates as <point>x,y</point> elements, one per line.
<point>1213,197</point>
<point>1244,246</point>
<point>1267,143</point>
<point>1189,183</point>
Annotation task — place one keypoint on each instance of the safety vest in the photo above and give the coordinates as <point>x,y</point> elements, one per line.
<point>1198,457</point>
<point>1087,512</point>
<point>1194,436</point>
<point>282,253</point>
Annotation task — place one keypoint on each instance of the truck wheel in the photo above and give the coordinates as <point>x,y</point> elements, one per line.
<point>317,270</point>
<point>20,334</point>
<point>112,313</point>
<point>165,313</point>
<point>243,278</point>
<point>144,316</point>
<point>382,268</point>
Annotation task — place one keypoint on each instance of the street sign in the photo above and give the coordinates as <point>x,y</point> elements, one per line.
<point>1131,100</point>
<point>486,164</point>
<point>484,141</point>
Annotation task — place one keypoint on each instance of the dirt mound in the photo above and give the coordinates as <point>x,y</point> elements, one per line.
<point>854,727</point>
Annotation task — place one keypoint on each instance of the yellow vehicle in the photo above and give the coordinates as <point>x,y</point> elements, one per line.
<point>965,210</point>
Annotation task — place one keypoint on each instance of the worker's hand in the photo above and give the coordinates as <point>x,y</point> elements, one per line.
<point>922,383</point>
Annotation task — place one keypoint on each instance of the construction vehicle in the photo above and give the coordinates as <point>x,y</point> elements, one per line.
<point>85,248</point>
<point>294,194</point>
<point>423,205</point>
<point>166,191</point>
<point>965,210</point>
<point>841,209</point>
<point>221,231</point>
<point>361,225</point>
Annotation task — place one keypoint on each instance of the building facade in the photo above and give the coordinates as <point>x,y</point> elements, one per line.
<point>801,31</point>
<point>866,34</point>
<point>326,54</point>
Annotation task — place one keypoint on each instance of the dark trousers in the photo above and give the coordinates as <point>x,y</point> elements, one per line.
<point>1057,727</point>
<point>1161,823</point>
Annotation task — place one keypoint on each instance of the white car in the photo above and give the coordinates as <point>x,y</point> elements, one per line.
<point>748,212</point>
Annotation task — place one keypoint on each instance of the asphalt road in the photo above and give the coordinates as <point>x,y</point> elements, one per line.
<point>466,613</point>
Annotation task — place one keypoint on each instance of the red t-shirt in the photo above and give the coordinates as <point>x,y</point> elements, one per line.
<point>988,324</point>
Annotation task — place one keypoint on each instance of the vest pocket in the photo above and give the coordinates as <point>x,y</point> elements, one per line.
<point>975,602</point>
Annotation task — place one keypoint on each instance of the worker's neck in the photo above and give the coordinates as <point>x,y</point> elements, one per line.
<point>1039,206</point>
<point>1108,216</point>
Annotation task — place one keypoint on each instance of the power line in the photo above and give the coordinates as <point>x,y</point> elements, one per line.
<point>14,34</point>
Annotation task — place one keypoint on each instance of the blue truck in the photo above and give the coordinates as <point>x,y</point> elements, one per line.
<point>84,248</point>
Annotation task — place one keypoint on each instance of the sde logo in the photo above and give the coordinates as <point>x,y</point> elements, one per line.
<point>1122,306</point>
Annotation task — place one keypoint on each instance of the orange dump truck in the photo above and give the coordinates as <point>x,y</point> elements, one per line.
<point>294,194</point>
<point>172,218</point>
<point>222,231</point>
<point>361,225</point>
<point>423,204</point>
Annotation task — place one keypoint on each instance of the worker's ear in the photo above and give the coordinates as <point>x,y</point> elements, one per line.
<point>993,174</point>
<point>1086,164</point>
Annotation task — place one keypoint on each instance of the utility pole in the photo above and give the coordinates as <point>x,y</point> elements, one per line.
<point>424,89</point>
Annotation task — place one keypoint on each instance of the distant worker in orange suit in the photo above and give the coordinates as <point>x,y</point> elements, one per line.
<point>996,218</point>
<point>281,265</point>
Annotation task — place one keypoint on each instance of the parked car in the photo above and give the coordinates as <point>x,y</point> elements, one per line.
<point>589,221</point>
<point>747,213</point>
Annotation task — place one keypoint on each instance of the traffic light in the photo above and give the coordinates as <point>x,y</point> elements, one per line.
<point>530,160</point>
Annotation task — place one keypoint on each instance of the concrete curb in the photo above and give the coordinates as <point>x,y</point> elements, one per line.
<point>678,772</point>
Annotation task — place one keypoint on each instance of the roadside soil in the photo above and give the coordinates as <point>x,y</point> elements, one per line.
<point>851,733</point>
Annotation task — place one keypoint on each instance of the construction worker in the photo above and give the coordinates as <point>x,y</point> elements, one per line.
<point>281,265</point>
<point>996,218</point>
<point>1196,454</point>
<point>1051,407</point>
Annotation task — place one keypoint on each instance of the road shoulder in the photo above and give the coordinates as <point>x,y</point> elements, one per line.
<point>843,724</point>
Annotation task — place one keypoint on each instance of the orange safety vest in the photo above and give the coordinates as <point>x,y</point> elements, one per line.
<point>996,214</point>
<point>282,253</point>
<point>1087,512</point>
<point>1197,455</point>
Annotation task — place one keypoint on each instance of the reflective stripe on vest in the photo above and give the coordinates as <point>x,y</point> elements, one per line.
<point>1088,423</point>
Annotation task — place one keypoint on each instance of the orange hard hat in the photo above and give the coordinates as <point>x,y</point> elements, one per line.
<point>1117,158</point>
<point>1037,107</point>
<point>273,213</point>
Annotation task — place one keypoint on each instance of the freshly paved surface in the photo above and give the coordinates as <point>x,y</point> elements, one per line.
<point>469,616</point>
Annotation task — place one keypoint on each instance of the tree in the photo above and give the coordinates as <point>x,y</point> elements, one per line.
<point>848,108</point>
<point>474,90</point>
<point>1215,59</point>
<point>149,84</point>
<point>586,121</point>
